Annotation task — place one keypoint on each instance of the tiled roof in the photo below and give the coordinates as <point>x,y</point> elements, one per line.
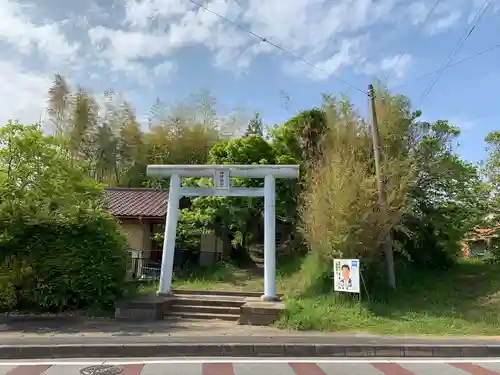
<point>478,234</point>
<point>485,231</point>
<point>134,202</point>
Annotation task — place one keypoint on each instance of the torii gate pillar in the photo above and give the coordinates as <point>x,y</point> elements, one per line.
<point>221,175</point>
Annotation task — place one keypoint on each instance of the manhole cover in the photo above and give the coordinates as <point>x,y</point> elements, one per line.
<point>102,370</point>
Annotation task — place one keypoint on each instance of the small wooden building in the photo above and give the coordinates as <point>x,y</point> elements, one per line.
<point>142,213</point>
<point>477,243</point>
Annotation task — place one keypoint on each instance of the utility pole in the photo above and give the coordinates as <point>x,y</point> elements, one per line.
<point>382,196</point>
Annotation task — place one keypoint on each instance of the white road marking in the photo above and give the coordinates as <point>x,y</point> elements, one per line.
<point>117,361</point>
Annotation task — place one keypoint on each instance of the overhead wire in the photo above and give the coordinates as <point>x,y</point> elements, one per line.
<point>465,36</point>
<point>277,46</point>
<point>481,12</point>
<point>413,39</point>
<point>458,62</point>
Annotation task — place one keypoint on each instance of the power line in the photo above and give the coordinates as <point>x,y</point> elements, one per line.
<point>265,40</point>
<point>467,33</point>
<point>414,37</point>
<point>461,61</point>
<point>440,70</point>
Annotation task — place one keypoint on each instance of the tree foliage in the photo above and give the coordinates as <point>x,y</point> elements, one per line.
<point>492,167</point>
<point>59,248</point>
<point>107,134</point>
<point>447,199</point>
<point>236,219</point>
<point>255,126</point>
<point>491,172</point>
<point>434,197</point>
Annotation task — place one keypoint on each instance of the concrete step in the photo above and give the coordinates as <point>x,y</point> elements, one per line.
<point>205,309</point>
<point>218,293</point>
<point>209,301</point>
<point>221,293</point>
<point>203,316</point>
<point>197,324</point>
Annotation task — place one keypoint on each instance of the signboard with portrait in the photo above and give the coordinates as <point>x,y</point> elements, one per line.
<point>346,275</point>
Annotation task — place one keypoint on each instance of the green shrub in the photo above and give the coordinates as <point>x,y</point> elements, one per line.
<point>8,298</point>
<point>494,249</point>
<point>19,273</point>
<point>75,261</point>
<point>59,248</point>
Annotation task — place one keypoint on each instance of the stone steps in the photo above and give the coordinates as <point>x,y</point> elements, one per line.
<point>219,293</point>
<point>201,309</point>
<point>207,305</point>
<point>204,301</point>
<point>201,306</point>
<point>206,316</point>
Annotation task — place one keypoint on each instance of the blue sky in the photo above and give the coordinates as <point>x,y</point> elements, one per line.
<point>171,48</point>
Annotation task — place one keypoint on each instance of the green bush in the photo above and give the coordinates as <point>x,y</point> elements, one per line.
<point>77,261</point>
<point>59,248</point>
<point>8,298</point>
<point>19,275</point>
<point>494,249</point>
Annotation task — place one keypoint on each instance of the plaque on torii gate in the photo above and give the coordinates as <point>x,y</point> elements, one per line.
<point>221,176</point>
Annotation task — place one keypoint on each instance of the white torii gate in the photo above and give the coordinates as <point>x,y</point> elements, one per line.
<point>221,175</point>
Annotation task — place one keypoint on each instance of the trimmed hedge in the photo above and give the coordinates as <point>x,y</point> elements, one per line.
<point>63,262</point>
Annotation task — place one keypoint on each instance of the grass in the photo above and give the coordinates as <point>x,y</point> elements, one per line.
<point>462,301</point>
<point>228,277</point>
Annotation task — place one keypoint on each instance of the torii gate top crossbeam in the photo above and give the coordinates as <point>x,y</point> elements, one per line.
<point>243,171</point>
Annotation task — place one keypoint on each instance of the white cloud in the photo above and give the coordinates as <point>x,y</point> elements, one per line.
<point>124,48</point>
<point>164,69</point>
<point>137,42</point>
<point>418,12</point>
<point>444,22</point>
<point>23,93</point>
<point>139,13</point>
<point>444,16</point>
<point>349,53</point>
<point>395,66</point>
<point>493,7</point>
<point>24,35</point>
<point>153,28</point>
<point>126,45</point>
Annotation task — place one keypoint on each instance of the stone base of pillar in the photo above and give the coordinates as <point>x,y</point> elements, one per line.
<point>149,308</point>
<point>270,298</point>
<point>257,313</point>
<point>164,294</point>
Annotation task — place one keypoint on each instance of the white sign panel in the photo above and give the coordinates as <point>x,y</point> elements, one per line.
<point>221,179</point>
<point>346,275</point>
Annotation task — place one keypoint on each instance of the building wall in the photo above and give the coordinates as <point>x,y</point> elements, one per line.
<point>210,249</point>
<point>138,235</point>
<point>134,232</point>
<point>139,241</point>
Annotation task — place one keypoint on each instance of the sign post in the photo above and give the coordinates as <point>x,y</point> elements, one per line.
<point>346,275</point>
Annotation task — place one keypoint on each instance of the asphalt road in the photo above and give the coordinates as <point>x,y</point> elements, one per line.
<point>268,366</point>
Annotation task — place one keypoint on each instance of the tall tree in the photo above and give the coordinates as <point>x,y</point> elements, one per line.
<point>434,196</point>
<point>491,170</point>
<point>59,103</point>
<point>255,126</point>
<point>492,165</point>
<point>131,149</point>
